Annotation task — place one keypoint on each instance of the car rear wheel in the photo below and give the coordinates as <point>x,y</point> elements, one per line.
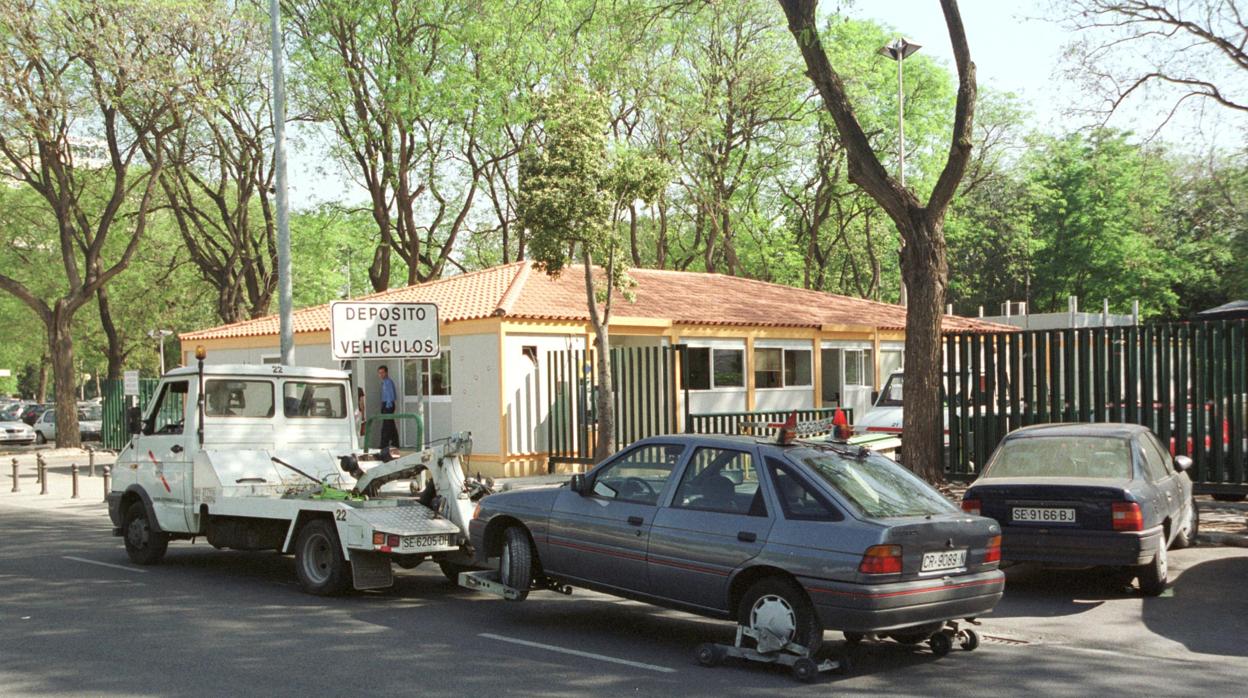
<point>1186,536</point>
<point>144,545</point>
<point>780,607</point>
<point>515,562</point>
<point>319,561</point>
<point>1155,575</point>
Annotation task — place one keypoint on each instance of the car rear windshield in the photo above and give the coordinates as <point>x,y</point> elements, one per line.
<point>1062,456</point>
<point>876,486</point>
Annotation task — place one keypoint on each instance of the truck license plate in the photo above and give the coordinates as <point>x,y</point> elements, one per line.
<point>413,542</point>
<point>943,560</point>
<point>1043,515</point>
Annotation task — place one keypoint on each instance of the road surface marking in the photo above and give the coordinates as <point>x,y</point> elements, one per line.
<point>579,653</point>
<point>103,564</point>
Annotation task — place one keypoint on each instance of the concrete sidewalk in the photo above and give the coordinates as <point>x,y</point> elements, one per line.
<point>90,501</point>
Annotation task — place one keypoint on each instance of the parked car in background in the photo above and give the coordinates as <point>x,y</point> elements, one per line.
<point>31,414</point>
<point>90,424</point>
<point>1089,495</point>
<point>789,539</point>
<point>12,412</point>
<point>14,432</point>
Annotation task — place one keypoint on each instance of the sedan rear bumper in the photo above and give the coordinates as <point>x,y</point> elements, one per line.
<point>867,608</point>
<point>1079,547</point>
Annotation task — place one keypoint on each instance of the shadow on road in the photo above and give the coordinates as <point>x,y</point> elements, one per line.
<point>1034,591</point>
<point>1207,595</point>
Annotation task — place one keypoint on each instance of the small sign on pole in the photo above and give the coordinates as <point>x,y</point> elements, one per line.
<point>131,383</point>
<point>372,330</point>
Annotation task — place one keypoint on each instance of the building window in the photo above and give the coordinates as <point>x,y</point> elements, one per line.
<point>768,368</point>
<point>859,367</point>
<point>729,368</point>
<point>437,381</point>
<point>781,368</point>
<point>797,367</point>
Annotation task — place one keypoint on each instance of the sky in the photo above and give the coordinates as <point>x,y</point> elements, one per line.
<point>1015,49</point>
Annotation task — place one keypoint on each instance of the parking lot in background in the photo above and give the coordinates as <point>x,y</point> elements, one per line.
<point>76,618</point>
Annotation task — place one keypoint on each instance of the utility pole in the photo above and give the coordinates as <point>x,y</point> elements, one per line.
<point>283,200</point>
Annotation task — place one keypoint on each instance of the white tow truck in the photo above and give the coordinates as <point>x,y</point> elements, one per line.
<point>266,458</point>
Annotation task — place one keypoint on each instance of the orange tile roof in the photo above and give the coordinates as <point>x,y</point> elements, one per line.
<point>517,291</point>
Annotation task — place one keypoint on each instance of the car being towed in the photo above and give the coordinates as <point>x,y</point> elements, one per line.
<point>1088,495</point>
<point>793,539</point>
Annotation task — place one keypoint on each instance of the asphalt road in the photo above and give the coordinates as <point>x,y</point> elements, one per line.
<point>77,619</point>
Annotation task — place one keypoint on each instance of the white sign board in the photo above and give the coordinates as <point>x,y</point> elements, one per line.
<point>132,382</point>
<point>370,330</point>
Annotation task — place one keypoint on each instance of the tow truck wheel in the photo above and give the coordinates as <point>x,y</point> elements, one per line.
<point>451,570</point>
<point>319,562</point>
<point>143,545</point>
<point>515,564</point>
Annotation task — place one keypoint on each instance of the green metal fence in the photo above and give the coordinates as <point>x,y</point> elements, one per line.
<point>1188,382</point>
<point>113,431</point>
<point>644,379</point>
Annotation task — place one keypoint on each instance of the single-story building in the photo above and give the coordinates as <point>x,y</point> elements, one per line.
<point>752,346</point>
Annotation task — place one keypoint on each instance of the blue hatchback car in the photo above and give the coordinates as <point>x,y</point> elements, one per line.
<point>788,539</point>
<point>1088,495</point>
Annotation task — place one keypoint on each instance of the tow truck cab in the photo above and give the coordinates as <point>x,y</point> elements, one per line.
<point>265,458</point>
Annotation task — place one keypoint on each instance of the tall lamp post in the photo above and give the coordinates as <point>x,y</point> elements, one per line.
<point>287,329</point>
<point>900,49</point>
<point>160,334</point>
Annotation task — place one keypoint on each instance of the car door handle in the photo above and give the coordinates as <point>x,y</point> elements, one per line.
<point>747,536</point>
<point>635,520</point>
<point>176,448</point>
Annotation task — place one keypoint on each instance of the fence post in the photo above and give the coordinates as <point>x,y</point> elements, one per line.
<point>107,472</point>
<point>91,461</point>
<point>43,477</point>
<point>73,478</point>
<point>17,487</point>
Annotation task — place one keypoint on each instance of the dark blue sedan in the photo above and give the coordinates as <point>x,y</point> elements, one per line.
<point>1089,495</point>
<point>786,539</point>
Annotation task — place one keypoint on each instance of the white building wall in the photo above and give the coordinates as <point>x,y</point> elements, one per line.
<point>527,388</point>
<point>474,389</point>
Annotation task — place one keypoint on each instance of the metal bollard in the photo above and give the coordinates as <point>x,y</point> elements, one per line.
<point>43,477</point>
<point>17,487</point>
<point>73,478</point>
<point>91,461</point>
<point>107,473</point>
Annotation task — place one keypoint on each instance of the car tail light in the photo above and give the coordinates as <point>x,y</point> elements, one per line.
<point>476,512</point>
<point>379,539</point>
<point>392,540</point>
<point>1127,516</point>
<point>994,550</point>
<point>881,559</point>
<point>971,506</point>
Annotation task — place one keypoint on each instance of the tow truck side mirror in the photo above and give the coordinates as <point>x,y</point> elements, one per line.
<point>577,484</point>
<point>134,421</point>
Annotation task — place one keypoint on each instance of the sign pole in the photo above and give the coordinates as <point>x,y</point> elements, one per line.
<point>283,199</point>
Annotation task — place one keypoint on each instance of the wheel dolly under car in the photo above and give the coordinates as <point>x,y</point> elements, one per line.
<point>770,649</point>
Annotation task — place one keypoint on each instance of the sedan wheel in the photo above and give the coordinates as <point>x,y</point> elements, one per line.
<point>39,438</point>
<point>1186,536</point>
<point>778,607</point>
<point>1156,575</point>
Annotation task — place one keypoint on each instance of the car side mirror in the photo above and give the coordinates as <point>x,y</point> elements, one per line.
<point>578,484</point>
<point>1182,464</point>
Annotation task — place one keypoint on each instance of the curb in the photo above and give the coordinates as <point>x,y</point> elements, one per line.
<point>1230,540</point>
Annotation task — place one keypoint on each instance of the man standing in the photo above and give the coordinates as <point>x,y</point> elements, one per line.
<point>389,432</point>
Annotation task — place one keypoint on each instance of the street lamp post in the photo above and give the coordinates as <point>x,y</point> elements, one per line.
<point>286,325</point>
<point>900,49</point>
<point>160,334</point>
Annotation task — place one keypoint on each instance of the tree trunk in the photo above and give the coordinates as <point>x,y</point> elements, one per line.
<point>43,379</point>
<point>116,353</point>
<point>61,345</point>
<point>604,401</point>
<point>926,275</point>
